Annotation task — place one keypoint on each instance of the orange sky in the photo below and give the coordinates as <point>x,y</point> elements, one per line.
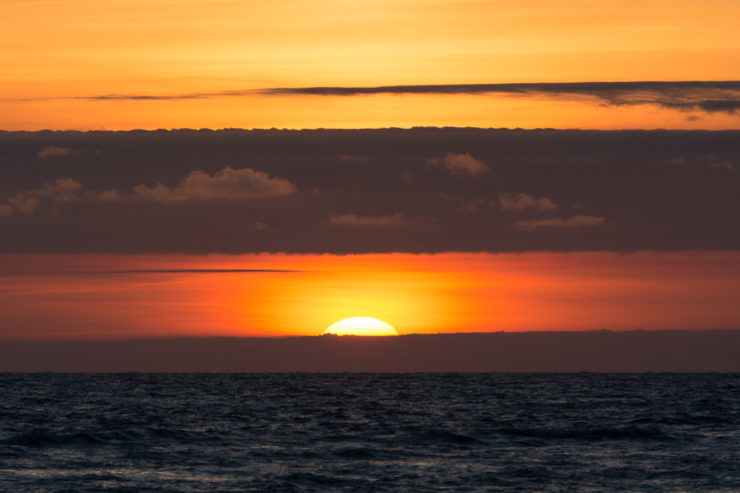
<point>89,296</point>
<point>55,51</point>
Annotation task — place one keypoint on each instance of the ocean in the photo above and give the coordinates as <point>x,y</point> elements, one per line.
<point>376,432</point>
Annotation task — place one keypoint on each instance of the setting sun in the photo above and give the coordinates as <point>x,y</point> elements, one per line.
<point>361,326</point>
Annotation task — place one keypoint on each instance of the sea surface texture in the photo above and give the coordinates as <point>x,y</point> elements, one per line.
<point>375,432</point>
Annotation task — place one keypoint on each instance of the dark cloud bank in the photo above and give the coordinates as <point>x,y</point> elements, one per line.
<point>343,191</point>
<point>599,351</point>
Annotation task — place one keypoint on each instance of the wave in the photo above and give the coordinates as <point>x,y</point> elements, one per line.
<point>591,434</point>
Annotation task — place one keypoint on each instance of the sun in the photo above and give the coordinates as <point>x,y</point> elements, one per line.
<point>361,326</point>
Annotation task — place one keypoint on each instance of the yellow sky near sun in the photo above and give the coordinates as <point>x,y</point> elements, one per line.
<point>73,48</point>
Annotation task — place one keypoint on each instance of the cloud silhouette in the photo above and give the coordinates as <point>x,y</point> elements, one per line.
<point>560,223</point>
<point>458,163</point>
<point>227,184</point>
<point>522,201</point>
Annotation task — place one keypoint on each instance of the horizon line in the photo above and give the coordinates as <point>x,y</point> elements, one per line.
<point>369,337</point>
<point>361,129</point>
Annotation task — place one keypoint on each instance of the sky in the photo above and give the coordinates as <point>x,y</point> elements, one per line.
<point>115,64</point>
<point>177,168</point>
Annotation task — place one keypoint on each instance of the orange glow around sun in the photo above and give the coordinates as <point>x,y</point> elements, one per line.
<point>110,296</point>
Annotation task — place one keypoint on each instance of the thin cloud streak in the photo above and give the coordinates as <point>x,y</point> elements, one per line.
<point>705,96</point>
<point>152,271</point>
<point>199,271</point>
<point>596,88</point>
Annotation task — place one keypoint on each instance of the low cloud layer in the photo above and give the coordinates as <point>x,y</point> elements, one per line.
<point>354,191</point>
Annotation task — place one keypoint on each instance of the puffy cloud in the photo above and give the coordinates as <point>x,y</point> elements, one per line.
<point>354,220</point>
<point>560,223</point>
<point>458,163</point>
<point>55,151</point>
<point>522,201</point>
<point>62,190</point>
<point>227,184</point>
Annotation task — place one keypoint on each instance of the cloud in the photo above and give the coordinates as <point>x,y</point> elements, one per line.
<point>61,191</point>
<point>706,96</point>
<point>354,220</point>
<point>522,201</point>
<point>54,151</point>
<point>560,223</point>
<point>227,184</point>
<point>459,164</point>
<point>197,271</point>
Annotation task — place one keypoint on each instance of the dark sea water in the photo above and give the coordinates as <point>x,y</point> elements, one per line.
<point>292,432</point>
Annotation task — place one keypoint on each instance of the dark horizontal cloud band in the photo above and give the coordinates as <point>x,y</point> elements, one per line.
<point>595,88</point>
<point>706,96</point>
<point>200,271</point>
